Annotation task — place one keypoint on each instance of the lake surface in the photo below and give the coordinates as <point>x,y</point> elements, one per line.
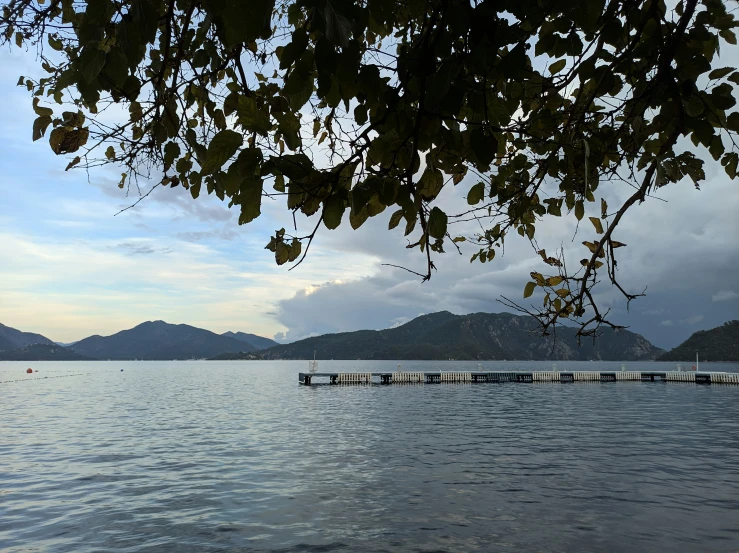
<point>237,457</point>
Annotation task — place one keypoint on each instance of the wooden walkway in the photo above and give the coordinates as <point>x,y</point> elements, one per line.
<point>479,377</point>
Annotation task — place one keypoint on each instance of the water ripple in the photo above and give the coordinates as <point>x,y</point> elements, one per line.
<point>215,457</point>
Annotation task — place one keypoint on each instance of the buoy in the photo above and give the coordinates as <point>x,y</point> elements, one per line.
<point>29,371</point>
<point>121,370</point>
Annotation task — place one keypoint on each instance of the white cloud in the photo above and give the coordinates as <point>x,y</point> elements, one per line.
<point>689,321</point>
<point>725,295</point>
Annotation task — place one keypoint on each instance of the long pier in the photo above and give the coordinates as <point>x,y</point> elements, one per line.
<point>499,377</point>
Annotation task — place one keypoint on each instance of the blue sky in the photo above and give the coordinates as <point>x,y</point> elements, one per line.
<point>71,267</point>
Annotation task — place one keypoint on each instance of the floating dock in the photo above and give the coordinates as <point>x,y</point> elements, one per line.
<point>479,377</point>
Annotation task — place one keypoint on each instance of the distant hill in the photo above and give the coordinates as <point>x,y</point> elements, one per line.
<point>41,352</point>
<point>479,336</point>
<point>237,356</point>
<point>717,344</point>
<point>258,342</point>
<point>158,340</point>
<point>11,338</point>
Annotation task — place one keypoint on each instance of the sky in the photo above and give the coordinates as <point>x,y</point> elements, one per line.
<point>71,267</point>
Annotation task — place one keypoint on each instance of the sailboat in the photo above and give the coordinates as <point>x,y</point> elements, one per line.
<point>313,365</point>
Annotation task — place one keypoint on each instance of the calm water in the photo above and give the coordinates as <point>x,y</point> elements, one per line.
<point>235,456</point>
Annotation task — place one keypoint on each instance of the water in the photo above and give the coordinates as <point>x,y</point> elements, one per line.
<point>235,456</point>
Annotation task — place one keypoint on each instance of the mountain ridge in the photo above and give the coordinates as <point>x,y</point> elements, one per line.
<point>259,342</point>
<point>475,336</point>
<point>717,344</point>
<point>42,352</point>
<point>12,338</point>
<point>157,341</point>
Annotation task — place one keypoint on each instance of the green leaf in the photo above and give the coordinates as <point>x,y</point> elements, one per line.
<point>295,249</point>
<point>395,219</point>
<point>484,146</point>
<point>732,121</point>
<point>91,62</point>
<point>282,253</point>
<point>357,219</point>
<point>41,111</point>
<point>250,194</point>
<point>728,35</point>
<point>171,152</point>
<point>55,43</point>
<point>719,73</point>
<point>437,223</point>
<point>279,183</point>
<point>579,210</point>
<point>289,126</point>
<point>248,164</point>
<point>63,141</point>
<point>333,211</point>
<point>729,162</point>
<point>430,183</point>
<point>529,289</point>
<point>40,125</point>
<point>251,118</point>
<point>597,224</point>
<point>72,163</point>
<point>220,149</point>
<point>557,66</point>
<point>476,194</point>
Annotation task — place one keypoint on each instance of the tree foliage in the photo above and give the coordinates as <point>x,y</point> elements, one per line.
<point>347,108</point>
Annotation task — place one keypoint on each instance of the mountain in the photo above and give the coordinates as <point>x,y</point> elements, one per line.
<point>465,337</point>
<point>41,352</point>
<point>237,356</point>
<point>158,340</point>
<point>258,342</point>
<point>11,338</point>
<point>717,344</point>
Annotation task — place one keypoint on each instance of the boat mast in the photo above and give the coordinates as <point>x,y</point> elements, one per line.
<point>696,360</point>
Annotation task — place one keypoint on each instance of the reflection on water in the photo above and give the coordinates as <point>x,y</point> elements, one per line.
<point>235,456</point>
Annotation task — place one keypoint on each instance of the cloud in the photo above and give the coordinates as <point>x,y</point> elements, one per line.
<point>678,250</point>
<point>138,248</point>
<point>725,295</point>
<point>695,319</point>
<point>73,268</point>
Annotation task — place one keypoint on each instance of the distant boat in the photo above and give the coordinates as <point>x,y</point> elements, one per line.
<point>313,365</point>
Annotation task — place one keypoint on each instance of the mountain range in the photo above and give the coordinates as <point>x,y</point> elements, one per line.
<point>10,338</point>
<point>157,340</point>
<point>476,336</point>
<point>718,344</point>
<point>259,342</point>
<point>152,340</point>
<point>443,335</point>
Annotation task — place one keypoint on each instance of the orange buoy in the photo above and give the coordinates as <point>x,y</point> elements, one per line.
<point>29,371</point>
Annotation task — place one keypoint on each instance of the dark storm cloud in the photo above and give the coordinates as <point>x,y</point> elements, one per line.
<point>683,251</point>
